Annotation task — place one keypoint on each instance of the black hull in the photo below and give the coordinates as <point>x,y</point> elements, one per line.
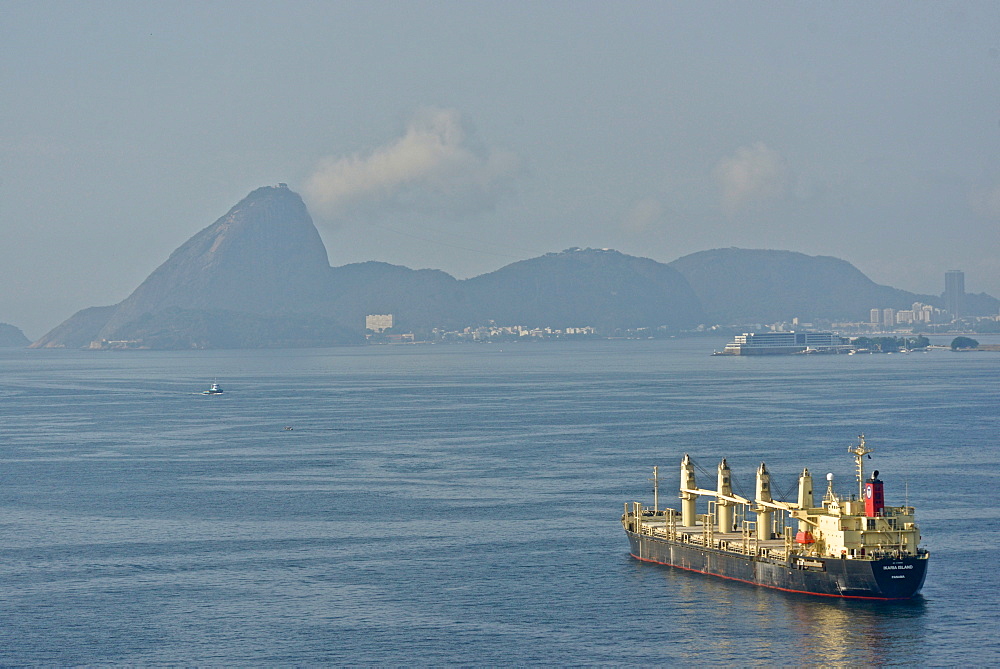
<point>885,579</point>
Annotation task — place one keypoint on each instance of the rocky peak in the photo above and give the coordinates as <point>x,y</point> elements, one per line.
<point>262,257</point>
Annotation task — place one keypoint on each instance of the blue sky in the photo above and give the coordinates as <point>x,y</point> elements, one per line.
<point>467,135</point>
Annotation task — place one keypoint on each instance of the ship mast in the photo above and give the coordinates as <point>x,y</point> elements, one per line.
<point>860,451</point>
<point>656,489</point>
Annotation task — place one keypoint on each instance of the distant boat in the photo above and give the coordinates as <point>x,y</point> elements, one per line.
<point>214,390</point>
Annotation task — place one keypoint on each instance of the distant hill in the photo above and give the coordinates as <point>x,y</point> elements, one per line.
<point>259,277</point>
<point>578,287</point>
<point>417,299</point>
<point>12,337</point>
<point>980,304</point>
<point>763,286</point>
<point>79,330</point>
<point>605,289</point>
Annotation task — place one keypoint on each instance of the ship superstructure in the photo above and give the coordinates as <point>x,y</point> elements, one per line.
<point>837,545</point>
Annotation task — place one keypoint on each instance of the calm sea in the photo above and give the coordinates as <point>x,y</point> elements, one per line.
<point>428,505</point>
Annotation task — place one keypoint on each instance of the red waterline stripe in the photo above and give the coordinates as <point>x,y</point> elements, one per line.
<point>764,585</point>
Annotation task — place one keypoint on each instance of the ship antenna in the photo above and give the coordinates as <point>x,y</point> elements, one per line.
<point>860,451</point>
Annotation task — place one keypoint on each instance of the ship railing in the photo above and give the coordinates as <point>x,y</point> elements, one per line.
<point>887,553</point>
<point>740,547</point>
<point>890,511</point>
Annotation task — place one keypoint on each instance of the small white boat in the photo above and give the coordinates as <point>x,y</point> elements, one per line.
<point>214,390</point>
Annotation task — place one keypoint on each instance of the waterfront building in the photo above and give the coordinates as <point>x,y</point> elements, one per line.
<point>378,322</point>
<point>776,343</point>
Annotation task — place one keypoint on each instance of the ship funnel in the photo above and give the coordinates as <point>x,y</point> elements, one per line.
<point>689,500</point>
<point>874,496</point>
<point>764,514</point>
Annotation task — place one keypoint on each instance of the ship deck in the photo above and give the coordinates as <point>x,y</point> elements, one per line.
<point>732,542</point>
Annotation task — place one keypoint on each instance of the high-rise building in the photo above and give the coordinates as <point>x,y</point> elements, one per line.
<point>954,292</point>
<point>888,319</point>
<point>378,322</point>
<point>874,319</point>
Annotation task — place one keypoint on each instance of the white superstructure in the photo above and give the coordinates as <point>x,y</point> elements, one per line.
<point>772,343</point>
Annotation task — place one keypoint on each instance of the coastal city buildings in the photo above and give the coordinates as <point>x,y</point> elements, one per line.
<point>511,332</point>
<point>917,313</point>
<point>954,297</point>
<point>378,322</point>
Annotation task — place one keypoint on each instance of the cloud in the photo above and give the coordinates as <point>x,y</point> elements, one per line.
<point>433,168</point>
<point>752,175</point>
<point>643,216</point>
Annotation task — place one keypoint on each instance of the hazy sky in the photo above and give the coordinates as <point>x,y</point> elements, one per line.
<point>467,135</point>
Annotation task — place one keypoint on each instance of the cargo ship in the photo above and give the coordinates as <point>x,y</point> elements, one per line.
<point>849,546</point>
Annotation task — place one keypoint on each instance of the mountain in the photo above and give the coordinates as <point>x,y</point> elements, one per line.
<point>12,337</point>
<point>578,287</point>
<point>260,277</point>
<point>264,256</point>
<point>764,286</point>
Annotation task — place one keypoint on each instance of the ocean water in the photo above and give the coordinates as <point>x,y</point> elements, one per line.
<point>441,505</point>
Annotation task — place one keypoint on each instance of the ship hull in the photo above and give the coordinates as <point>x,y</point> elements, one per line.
<point>885,579</point>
